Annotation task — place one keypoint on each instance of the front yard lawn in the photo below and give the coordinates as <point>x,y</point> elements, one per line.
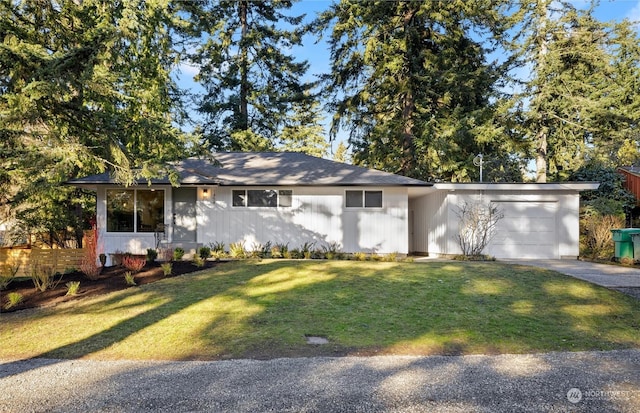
<point>268,309</point>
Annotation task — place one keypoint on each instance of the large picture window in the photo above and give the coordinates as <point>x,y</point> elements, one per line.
<point>130,210</point>
<point>267,198</point>
<point>366,199</point>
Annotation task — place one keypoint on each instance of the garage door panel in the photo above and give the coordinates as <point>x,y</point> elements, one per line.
<point>527,230</point>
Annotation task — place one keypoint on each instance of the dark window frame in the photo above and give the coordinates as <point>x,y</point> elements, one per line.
<point>249,198</point>
<point>131,220</point>
<point>364,199</point>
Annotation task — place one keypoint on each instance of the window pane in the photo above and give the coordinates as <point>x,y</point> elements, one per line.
<point>354,199</point>
<point>373,199</point>
<point>119,210</point>
<point>262,198</point>
<point>239,198</point>
<point>150,210</point>
<point>285,198</point>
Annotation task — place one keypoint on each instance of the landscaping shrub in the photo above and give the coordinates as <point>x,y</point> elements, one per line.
<point>89,267</point>
<point>236,250</point>
<point>72,287</point>
<point>359,256</point>
<point>597,239</point>
<point>217,247</point>
<point>129,278</point>
<point>280,250</point>
<point>477,223</point>
<point>332,250</point>
<point>13,299</point>
<point>204,252</point>
<point>166,254</point>
<point>151,255</point>
<point>307,249</point>
<point>198,261</point>
<point>134,264</point>
<point>295,254</point>
<point>167,268</point>
<point>44,278</point>
<point>178,253</point>
<point>8,275</point>
<point>391,257</point>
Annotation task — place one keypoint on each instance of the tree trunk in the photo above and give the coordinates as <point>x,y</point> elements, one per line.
<point>543,50</point>
<point>243,112</point>
<point>407,165</point>
<point>541,156</point>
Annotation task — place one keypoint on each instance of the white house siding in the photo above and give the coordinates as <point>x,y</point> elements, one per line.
<point>317,215</point>
<point>429,223</point>
<point>547,225</point>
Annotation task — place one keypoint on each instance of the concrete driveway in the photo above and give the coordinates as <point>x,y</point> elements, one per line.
<point>606,275</point>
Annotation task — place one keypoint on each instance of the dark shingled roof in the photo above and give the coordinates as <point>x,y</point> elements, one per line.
<point>269,168</point>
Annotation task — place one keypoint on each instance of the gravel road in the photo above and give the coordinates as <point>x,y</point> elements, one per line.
<point>551,382</point>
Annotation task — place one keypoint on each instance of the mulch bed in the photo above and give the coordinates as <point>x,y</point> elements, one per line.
<point>110,279</point>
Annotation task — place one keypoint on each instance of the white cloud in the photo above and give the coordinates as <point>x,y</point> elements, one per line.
<point>634,13</point>
<point>188,69</point>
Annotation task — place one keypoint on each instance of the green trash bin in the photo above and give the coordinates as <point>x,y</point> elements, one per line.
<point>624,246</point>
<point>635,238</point>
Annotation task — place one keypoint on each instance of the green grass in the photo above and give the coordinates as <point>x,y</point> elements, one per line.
<point>265,309</point>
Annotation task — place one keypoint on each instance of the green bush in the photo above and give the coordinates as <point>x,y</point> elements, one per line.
<point>204,252</point>
<point>72,287</point>
<point>151,255</point>
<point>198,261</point>
<point>13,299</point>
<point>167,268</point>
<point>359,256</point>
<point>236,249</point>
<point>129,278</point>
<point>178,253</point>
<point>217,247</point>
<point>280,250</point>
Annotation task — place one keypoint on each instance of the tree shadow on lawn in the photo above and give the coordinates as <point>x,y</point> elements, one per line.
<point>265,310</point>
<point>447,309</point>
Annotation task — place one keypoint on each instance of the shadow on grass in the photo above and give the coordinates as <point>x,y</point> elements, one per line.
<point>265,309</point>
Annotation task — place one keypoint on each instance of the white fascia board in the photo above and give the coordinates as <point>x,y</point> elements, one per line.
<point>556,186</point>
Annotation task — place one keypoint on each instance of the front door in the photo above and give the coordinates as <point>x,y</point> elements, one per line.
<point>184,214</point>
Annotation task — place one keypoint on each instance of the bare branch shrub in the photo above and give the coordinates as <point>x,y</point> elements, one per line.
<point>598,239</point>
<point>89,264</point>
<point>476,226</point>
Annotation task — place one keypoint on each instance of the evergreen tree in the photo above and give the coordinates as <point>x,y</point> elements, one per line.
<point>303,131</point>
<point>581,100</point>
<point>341,154</point>
<point>85,86</point>
<point>411,85</point>
<point>251,83</point>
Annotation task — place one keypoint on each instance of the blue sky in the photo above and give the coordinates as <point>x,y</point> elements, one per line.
<point>317,54</point>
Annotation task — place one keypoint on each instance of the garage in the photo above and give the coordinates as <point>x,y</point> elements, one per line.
<point>528,230</point>
<point>541,220</point>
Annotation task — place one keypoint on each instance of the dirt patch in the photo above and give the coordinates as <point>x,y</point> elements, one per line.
<point>110,279</point>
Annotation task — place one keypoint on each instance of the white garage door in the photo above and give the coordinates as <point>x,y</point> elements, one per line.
<point>528,230</point>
